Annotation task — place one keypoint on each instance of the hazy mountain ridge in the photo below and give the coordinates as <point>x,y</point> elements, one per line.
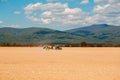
<point>101,33</point>
<point>37,35</point>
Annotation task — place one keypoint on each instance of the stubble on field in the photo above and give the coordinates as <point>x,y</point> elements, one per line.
<point>68,64</point>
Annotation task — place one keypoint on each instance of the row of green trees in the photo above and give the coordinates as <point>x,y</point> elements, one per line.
<point>81,44</point>
<point>18,45</point>
<point>84,44</point>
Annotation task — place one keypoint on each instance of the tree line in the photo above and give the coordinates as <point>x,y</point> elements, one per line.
<point>81,44</point>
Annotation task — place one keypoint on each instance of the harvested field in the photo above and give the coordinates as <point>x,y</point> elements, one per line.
<point>34,63</point>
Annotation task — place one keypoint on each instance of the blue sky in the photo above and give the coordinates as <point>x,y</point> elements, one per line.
<point>58,14</point>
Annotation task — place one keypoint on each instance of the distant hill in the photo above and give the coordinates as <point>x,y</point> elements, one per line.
<point>38,36</point>
<point>102,32</point>
<point>91,27</point>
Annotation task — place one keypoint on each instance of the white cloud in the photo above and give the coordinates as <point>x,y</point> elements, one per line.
<point>17,12</point>
<point>11,25</point>
<point>45,21</point>
<point>14,25</point>
<point>108,8</point>
<point>47,13</point>
<point>40,6</point>
<point>102,2</point>
<point>50,1</point>
<point>54,1</point>
<point>107,11</point>
<point>1,22</point>
<point>72,11</point>
<point>84,2</point>
<point>101,9</point>
<point>3,0</point>
<point>34,19</point>
<point>33,6</point>
<point>53,13</point>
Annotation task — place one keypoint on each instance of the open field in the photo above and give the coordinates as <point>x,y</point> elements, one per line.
<point>34,63</point>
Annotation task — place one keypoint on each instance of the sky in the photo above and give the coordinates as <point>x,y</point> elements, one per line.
<point>58,14</point>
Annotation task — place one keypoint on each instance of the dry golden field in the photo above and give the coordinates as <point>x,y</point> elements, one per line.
<point>34,63</point>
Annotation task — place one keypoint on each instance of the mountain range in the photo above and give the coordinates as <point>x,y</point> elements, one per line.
<point>98,33</point>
